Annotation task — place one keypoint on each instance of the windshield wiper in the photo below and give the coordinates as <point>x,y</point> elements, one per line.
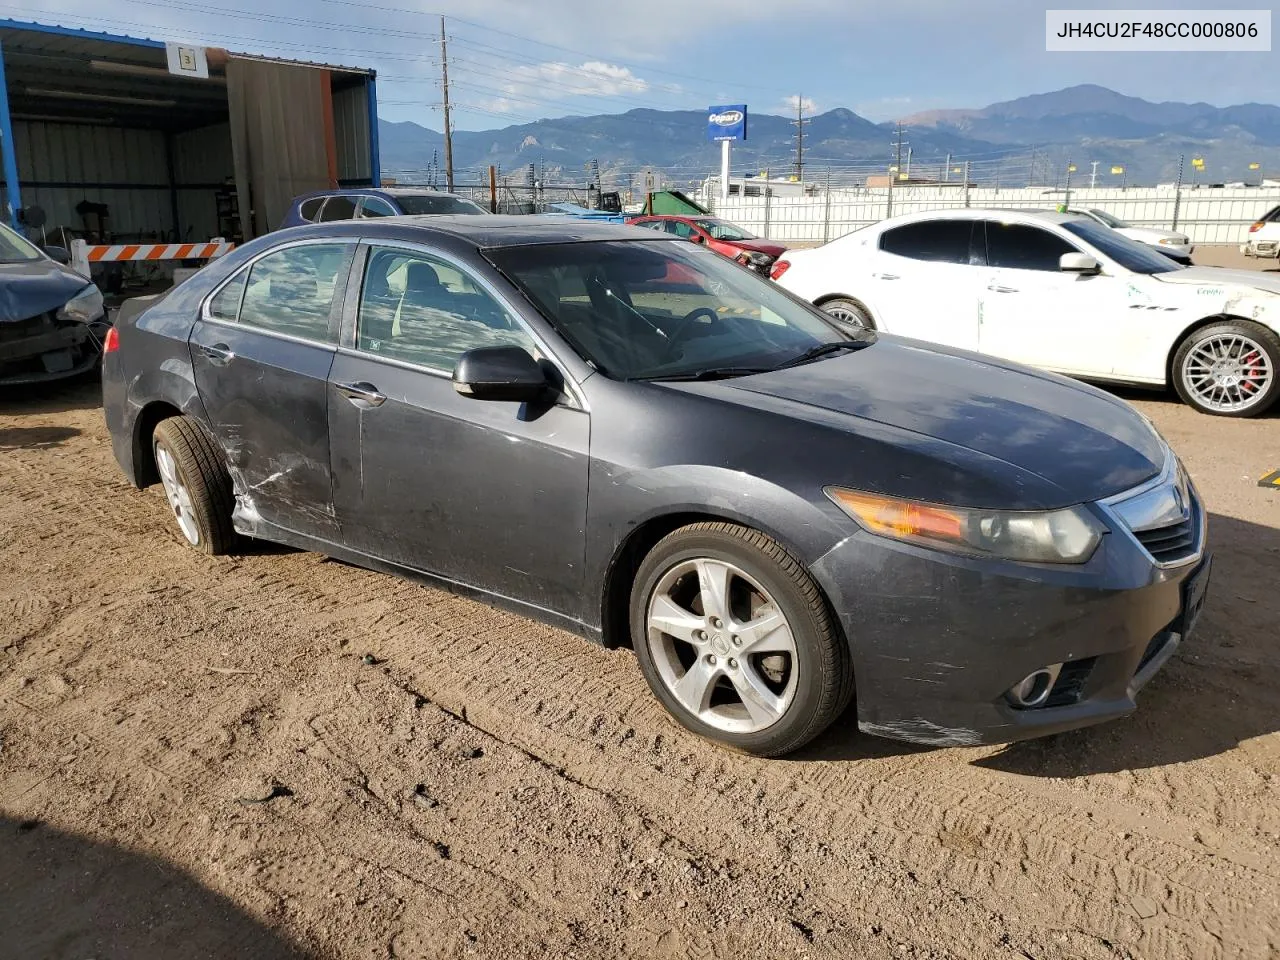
<point>823,350</point>
<point>710,373</point>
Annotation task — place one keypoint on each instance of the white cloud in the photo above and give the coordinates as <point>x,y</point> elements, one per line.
<point>558,80</point>
<point>790,103</point>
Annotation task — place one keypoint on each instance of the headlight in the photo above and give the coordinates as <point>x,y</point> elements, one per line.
<point>84,307</point>
<point>1070,535</point>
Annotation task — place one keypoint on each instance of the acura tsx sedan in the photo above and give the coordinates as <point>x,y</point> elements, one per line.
<point>635,439</point>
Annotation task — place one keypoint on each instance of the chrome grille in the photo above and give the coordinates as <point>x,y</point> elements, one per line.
<point>1172,543</point>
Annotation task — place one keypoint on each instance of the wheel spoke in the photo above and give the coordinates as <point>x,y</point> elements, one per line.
<point>713,580</point>
<point>766,633</point>
<point>763,705</point>
<point>693,690</point>
<point>672,619</point>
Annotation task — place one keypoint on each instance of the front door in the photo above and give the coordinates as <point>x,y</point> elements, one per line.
<point>923,285</point>
<point>1035,313</point>
<point>261,353</point>
<point>485,493</point>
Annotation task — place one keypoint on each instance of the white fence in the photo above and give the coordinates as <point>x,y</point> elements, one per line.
<point>1205,214</point>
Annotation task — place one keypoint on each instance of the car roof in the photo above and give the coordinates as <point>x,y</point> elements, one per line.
<point>375,192</point>
<point>488,231</point>
<point>984,213</point>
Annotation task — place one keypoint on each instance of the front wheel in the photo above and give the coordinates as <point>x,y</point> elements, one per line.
<point>849,312</point>
<point>1229,369</point>
<point>735,639</point>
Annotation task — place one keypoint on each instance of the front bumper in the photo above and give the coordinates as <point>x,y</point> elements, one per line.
<point>937,640</point>
<point>45,348</point>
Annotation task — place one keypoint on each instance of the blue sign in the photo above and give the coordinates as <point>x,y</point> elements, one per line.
<point>727,122</point>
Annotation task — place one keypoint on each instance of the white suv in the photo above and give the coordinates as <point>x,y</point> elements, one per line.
<point>1264,236</point>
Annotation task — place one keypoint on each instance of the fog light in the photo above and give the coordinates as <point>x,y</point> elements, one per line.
<point>1033,689</point>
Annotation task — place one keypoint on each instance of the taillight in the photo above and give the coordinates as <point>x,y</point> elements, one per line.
<point>779,268</point>
<point>112,342</point>
<point>1257,226</point>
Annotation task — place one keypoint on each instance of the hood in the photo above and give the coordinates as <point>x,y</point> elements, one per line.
<point>1042,441</point>
<point>33,287</point>
<point>1218,277</point>
<point>760,246</point>
<point>1149,235</point>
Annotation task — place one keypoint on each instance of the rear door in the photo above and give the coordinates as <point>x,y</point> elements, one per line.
<point>485,493</point>
<point>261,353</point>
<point>924,283</point>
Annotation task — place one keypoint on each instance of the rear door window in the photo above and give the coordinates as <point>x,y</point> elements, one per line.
<point>292,291</point>
<point>375,207</point>
<point>937,241</point>
<point>1017,246</point>
<point>338,208</point>
<point>679,228</point>
<point>311,208</point>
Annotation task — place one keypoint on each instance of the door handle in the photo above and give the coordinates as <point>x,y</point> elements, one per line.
<point>219,354</point>
<point>885,276</point>
<point>998,288</point>
<point>362,393</point>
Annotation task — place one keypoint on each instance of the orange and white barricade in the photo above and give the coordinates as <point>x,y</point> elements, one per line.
<point>84,255</point>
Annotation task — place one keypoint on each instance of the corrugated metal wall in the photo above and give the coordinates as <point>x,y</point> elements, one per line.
<point>201,161</point>
<point>61,164</point>
<point>351,132</point>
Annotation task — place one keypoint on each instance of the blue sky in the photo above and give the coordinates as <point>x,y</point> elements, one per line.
<point>516,60</point>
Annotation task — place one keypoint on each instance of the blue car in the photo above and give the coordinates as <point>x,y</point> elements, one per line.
<point>326,206</point>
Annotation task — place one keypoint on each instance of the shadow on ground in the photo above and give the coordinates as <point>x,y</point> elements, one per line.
<point>17,438</point>
<point>66,896</point>
<point>1216,692</point>
<point>78,393</point>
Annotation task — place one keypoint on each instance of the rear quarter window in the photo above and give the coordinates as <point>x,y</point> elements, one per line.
<point>311,208</point>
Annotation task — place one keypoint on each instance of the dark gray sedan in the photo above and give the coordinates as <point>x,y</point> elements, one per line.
<point>635,439</point>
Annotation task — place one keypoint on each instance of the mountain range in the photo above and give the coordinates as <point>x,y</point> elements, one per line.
<point>1035,135</point>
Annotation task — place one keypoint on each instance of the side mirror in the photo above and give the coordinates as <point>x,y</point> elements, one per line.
<point>1078,263</point>
<point>61,254</point>
<point>500,373</point>
<point>696,238</point>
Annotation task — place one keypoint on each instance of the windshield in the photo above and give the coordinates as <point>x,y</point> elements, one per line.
<point>642,310</point>
<point>723,230</point>
<point>420,203</point>
<point>16,249</point>
<point>1130,254</point>
<point>1108,219</point>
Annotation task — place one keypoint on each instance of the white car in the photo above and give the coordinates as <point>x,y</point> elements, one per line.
<point>1264,236</point>
<point>1168,242</point>
<point>1059,292</point>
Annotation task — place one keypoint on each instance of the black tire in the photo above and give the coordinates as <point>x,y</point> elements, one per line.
<point>824,678</point>
<point>1267,342</point>
<point>203,472</point>
<point>854,313</point>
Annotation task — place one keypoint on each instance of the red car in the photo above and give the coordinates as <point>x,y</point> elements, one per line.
<point>721,236</point>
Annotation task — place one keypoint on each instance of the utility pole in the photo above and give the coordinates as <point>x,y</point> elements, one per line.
<point>448,127</point>
<point>1093,175</point>
<point>799,123</point>
<point>898,144</point>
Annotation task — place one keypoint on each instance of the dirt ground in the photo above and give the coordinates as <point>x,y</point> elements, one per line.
<point>196,760</point>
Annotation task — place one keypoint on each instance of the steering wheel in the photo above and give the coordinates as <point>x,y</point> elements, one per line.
<point>685,323</point>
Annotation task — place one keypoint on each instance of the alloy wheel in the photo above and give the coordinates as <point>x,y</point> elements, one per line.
<point>1228,372</point>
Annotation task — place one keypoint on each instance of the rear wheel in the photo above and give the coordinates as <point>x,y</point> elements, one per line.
<point>196,484</point>
<point>850,312</point>
<point>736,641</point>
<point>1229,369</point>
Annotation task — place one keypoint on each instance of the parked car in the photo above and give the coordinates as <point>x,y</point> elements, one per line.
<point>721,236</point>
<point>1264,236</point>
<point>1177,246</point>
<point>1055,291</point>
<point>774,512</point>
<point>52,319</point>
<point>327,206</point>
